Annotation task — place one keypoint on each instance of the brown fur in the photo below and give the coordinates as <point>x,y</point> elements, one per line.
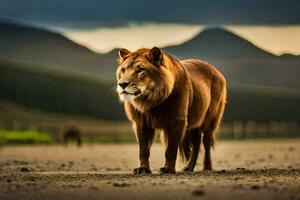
<point>185,99</point>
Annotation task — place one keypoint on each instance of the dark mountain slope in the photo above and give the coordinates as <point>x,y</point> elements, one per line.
<point>45,48</point>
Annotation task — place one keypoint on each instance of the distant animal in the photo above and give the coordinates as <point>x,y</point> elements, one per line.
<point>71,132</point>
<point>185,99</point>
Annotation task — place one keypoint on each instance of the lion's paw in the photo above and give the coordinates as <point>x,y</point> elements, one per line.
<point>187,169</point>
<point>141,170</point>
<point>167,170</point>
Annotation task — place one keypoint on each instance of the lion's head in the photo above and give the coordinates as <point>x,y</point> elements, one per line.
<point>144,78</point>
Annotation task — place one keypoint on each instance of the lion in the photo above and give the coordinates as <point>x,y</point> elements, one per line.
<point>183,98</point>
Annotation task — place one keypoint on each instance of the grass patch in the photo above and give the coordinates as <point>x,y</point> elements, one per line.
<point>24,137</point>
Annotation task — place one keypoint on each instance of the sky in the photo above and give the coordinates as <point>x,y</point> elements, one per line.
<point>106,24</point>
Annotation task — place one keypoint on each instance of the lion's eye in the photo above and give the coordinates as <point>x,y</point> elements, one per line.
<point>122,70</point>
<point>140,70</point>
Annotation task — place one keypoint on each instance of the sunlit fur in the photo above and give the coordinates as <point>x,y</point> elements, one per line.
<point>185,99</point>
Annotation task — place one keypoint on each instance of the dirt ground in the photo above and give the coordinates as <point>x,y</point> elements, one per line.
<point>263,169</point>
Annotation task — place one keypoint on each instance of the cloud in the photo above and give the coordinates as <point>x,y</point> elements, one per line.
<point>91,12</point>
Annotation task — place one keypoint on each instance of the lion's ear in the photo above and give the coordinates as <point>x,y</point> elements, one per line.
<point>156,56</point>
<point>124,53</point>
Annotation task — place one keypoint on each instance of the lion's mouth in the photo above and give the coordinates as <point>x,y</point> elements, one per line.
<point>124,92</point>
<point>137,92</point>
<point>129,94</point>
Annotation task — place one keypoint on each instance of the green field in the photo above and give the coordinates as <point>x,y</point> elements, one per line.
<point>25,137</point>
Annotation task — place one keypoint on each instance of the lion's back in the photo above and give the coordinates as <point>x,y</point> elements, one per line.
<point>199,69</point>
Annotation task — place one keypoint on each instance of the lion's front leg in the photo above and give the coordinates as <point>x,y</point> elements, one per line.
<point>172,136</point>
<point>144,135</point>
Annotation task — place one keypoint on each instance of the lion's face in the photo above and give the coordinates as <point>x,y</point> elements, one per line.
<point>141,76</point>
<point>136,77</point>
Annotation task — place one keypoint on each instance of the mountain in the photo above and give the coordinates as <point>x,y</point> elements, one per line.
<point>48,49</point>
<point>218,43</point>
<point>241,61</point>
<point>45,70</point>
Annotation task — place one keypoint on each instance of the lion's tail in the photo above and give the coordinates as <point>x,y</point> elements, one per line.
<point>185,147</point>
<point>190,142</point>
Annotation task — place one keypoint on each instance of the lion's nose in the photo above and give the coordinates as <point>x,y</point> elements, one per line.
<point>123,85</point>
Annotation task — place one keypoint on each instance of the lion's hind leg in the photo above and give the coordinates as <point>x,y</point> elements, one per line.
<point>192,143</point>
<point>212,121</point>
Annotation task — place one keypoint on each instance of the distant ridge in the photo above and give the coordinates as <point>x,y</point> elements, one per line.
<point>240,60</point>
<point>217,43</point>
<point>22,43</point>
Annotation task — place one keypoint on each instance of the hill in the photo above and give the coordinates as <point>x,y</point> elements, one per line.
<point>59,90</point>
<point>241,61</point>
<point>84,94</point>
<point>45,48</point>
<point>218,43</point>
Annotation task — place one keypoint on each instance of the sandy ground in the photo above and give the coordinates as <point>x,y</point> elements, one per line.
<point>265,169</point>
